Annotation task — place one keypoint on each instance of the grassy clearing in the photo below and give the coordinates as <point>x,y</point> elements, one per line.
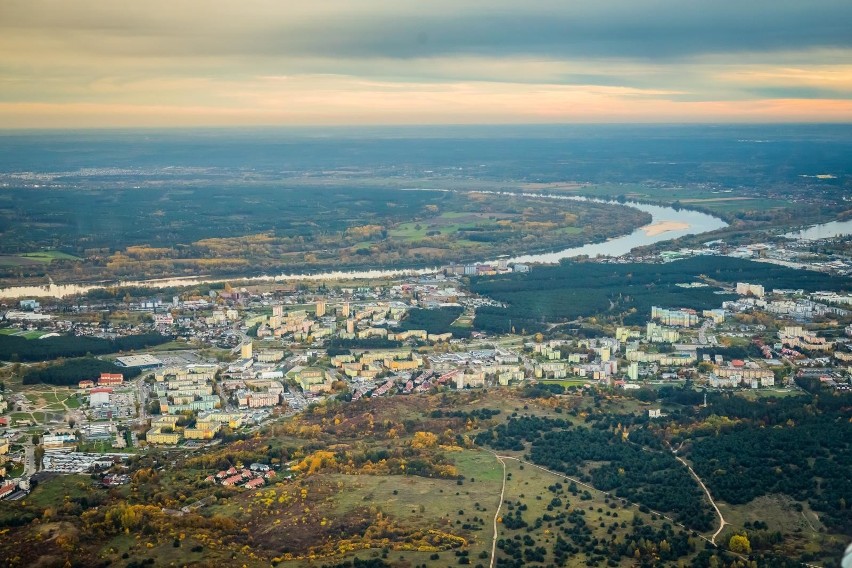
<point>757,394</point>
<point>19,416</point>
<point>567,382</point>
<point>171,346</point>
<point>717,200</point>
<point>425,502</point>
<point>33,334</point>
<point>54,490</point>
<point>777,511</point>
<point>49,256</point>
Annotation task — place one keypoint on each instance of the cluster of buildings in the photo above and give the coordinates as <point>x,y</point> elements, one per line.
<point>186,390</point>
<point>367,365</point>
<point>682,317</point>
<point>484,269</point>
<point>67,461</point>
<point>256,475</point>
<point>739,373</point>
<point>171,430</point>
<point>4,451</point>
<point>587,359</point>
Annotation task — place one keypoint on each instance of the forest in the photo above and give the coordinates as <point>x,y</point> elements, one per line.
<point>72,371</point>
<point>630,471</point>
<point>806,454</point>
<point>267,227</point>
<point>435,321</point>
<point>14,348</point>
<point>626,292</point>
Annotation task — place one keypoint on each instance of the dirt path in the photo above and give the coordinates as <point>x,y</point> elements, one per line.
<point>499,506</point>
<point>722,521</point>
<point>586,485</point>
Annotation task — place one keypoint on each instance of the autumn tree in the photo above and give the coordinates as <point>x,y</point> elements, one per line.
<point>739,543</point>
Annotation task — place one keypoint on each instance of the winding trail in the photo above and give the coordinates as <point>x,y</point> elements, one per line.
<point>500,458</point>
<point>722,521</point>
<point>497,514</point>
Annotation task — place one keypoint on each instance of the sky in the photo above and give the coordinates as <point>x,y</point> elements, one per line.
<point>95,64</point>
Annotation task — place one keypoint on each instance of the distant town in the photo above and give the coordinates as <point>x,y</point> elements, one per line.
<point>241,356</point>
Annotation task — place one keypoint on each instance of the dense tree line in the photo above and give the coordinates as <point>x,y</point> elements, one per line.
<point>478,414</point>
<point>72,371</point>
<point>809,460</point>
<point>339,346</point>
<point>625,291</point>
<point>652,478</point>
<point>732,352</point>
<point>776,411</point>
<point>512,434</point>
<point>435,321</point>
<point>14,348</point>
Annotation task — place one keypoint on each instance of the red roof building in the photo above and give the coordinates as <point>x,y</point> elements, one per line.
<point>111,379</point>
<point>232,480</point>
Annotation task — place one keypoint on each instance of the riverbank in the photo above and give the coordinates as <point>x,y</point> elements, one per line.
<point>674,224</point>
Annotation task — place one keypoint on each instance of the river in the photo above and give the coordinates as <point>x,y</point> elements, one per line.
<point>824,231</point>
<point>666,224</point>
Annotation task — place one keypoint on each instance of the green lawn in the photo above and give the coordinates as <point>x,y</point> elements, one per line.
<point>756,394</point>
<point>16,470</point>
<point>566,382</point>
<point>17,416</point>
<point>719,201</point>
<point>33,334</point>
<point>49,493</point>
<point>49,256</point>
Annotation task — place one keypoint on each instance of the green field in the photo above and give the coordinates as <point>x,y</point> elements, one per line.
<point>720,201</point>
<point>566,382</point>
<point>33,334</point>
<point>49,256</point>
<point>58,489</point>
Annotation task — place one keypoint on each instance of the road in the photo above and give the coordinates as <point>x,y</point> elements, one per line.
<point>29,459</point>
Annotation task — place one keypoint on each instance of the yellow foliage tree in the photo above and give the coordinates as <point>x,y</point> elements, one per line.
<point>424,440</point>
<point>739,543</point>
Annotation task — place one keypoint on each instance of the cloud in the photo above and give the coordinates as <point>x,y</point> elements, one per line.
<point>541,60</point>
<point>377,28</point>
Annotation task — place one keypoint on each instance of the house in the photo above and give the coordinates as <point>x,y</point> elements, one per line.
<point>7,490</point>
<point>233,480</point>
